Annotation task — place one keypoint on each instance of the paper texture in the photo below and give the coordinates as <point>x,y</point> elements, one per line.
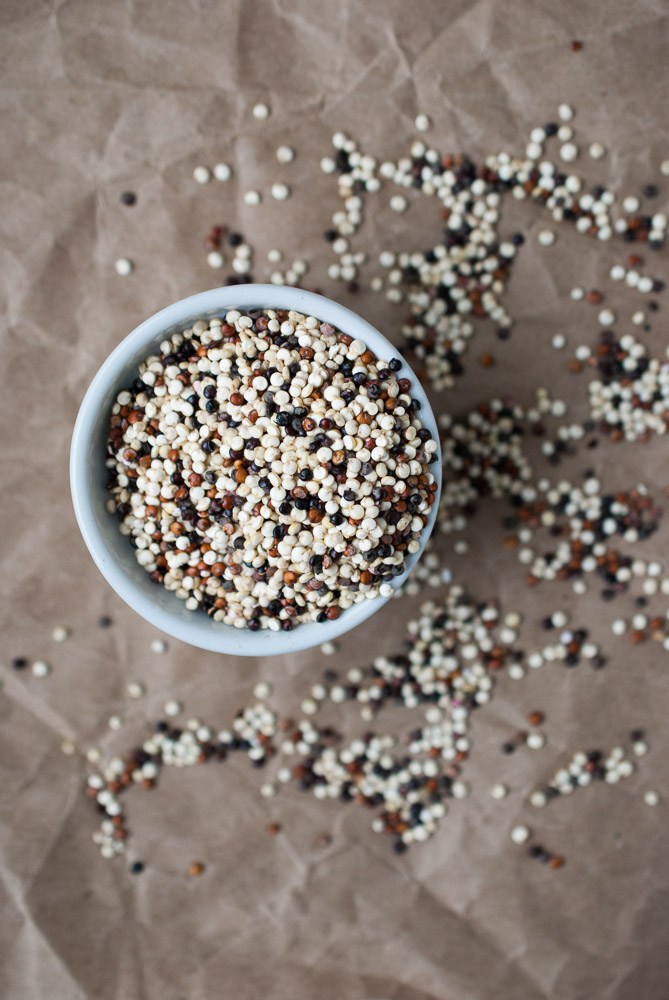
<point>98,98</point>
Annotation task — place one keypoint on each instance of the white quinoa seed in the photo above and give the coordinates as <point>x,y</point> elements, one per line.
<point>201,175</point>
<point>222,172</point>
<point>568,152</point>
<point>280,191</point>
<point>285,154</point>
<point>261,111</point>
<point>124,266</point>
<point>398,203</point>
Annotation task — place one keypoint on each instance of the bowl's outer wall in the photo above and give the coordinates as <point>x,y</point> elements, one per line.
<point>111,551</point>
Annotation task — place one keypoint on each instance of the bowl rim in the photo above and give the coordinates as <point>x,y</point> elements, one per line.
<point>110,375</point>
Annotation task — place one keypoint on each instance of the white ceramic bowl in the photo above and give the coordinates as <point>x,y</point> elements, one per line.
<point>113,555</point>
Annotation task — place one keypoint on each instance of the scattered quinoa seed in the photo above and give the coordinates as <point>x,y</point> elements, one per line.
<point>280,191</point>
<point>222,172</point>
<point>201,175</point>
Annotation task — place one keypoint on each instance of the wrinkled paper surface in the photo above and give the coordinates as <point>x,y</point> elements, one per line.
<point>100,97</point>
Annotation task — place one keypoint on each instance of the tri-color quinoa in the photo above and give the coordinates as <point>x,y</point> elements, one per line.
<point>269,469</point>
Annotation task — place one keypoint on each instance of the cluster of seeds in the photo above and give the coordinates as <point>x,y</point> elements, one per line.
<point>630,399</point>
<point>291,275</point>
<point>641,627</point>
<point>533,740</point>
<point>41,668</point>
<point>269,469</point>
<point>572,645</point>
<point>582,521</point>
<point>428,571</point>
<point>463,276</point>
<point>584,768</point>
<point>633,279</point>
<point>167,746</point>
<point>241,263</point>
<point>447,670</point>
<point>483,455</point>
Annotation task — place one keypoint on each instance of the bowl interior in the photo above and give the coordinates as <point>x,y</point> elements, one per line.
<point>100,529</point>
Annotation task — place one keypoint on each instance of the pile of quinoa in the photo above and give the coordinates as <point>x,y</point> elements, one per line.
<point>269,469</point>
<point>562,530</point>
